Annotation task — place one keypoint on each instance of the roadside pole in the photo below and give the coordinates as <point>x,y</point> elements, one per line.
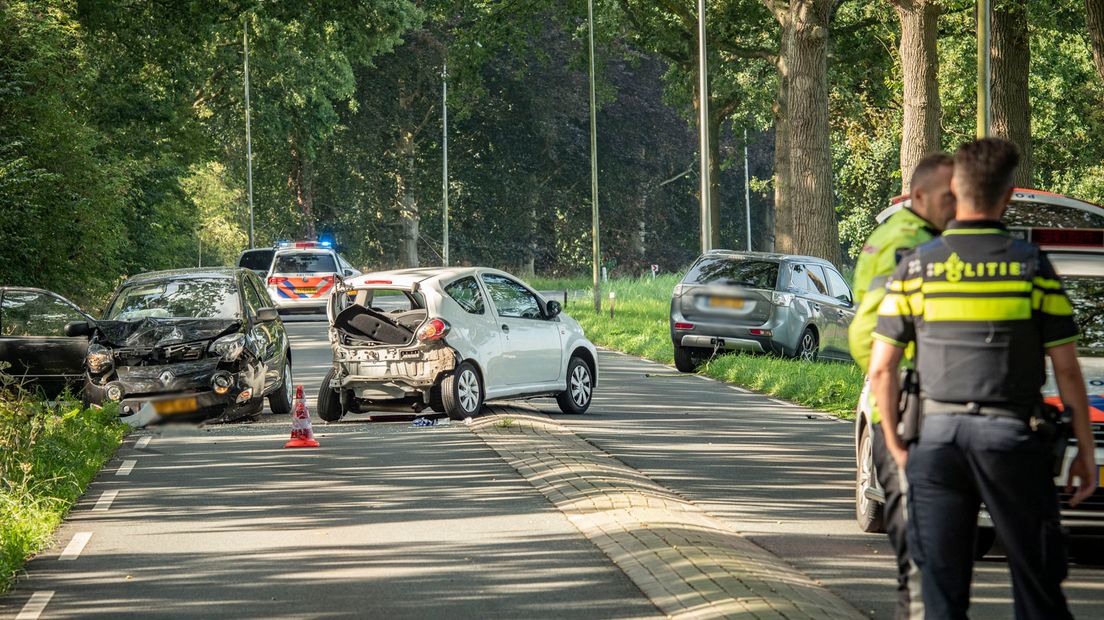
<point>444,167</point>
<point>707,222</point>
<point>984,67</point>
<point>747,191</point>
<point>248,136</point>
<point>594,168</point>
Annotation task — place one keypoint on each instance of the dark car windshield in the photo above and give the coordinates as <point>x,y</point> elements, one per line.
<point>207,298</point>
<point>748,272</point>
<point>1086,293</point>
<point>305,263</point>
<point>257,260</point>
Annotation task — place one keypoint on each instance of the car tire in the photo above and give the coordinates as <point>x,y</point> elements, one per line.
<point>868,512</point>
<point>279,402</point>
<point>329,401</point>
<point>808,346</point>
<point>580,387</point>
<point>984,541</point>
<point>684,359</point>
<point>462,392</point>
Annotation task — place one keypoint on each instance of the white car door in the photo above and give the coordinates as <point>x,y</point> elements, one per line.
<point>532,352</point>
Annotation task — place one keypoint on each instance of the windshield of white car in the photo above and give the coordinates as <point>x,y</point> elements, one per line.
<point>731,271</point>
<point>209,298</point>
<point>1086,294</point>
<point>304,262</point>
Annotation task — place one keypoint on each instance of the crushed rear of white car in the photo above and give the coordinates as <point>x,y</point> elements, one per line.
<point>410,340</point>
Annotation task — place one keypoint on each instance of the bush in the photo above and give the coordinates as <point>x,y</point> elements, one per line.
<point>48,455</point>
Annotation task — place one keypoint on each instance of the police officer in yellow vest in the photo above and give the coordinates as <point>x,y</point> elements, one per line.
<point>983,309</point>
<point>932,205</point>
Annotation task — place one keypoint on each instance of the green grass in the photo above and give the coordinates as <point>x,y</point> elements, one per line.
<point>640,327</point>
<point>48,455</point>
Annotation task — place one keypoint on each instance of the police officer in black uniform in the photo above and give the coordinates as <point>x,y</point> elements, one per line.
<point>983,309</point>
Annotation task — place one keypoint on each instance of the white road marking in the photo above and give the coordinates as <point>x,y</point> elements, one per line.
<point>124,469</point>
<point>142,442</point>
<point>36,605</point>
<point>740,389</point>
<point>104,503</point>
<point>781,402</point>
<point>75,546</point>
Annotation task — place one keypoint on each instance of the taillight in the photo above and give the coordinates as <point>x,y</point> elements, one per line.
<point>434,329</point>
<point>274,281</point>
<point>684,326</point>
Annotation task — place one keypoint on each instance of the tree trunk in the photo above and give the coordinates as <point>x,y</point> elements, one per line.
<point>303,182</point>
<point>1011,106</point>
<point>1095,14</point>
<point>920,135</point>
<point>783,214</point>
<point>815,230</point>
<point>408,204</point>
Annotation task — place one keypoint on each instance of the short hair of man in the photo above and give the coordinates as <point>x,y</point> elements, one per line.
<point>927,167</point>
<point>983,171</point>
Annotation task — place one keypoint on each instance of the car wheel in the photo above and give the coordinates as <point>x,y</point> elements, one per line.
<point>867,511</point>
<point>329,401</point>
<point>983,542</point>
<point>580,387</point>
<point>684,359</point>
<point>280,400</point>
<point>808,347</point>
<point>462,392</point>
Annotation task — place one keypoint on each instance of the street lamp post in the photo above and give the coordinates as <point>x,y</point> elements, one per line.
<point>596,267</point>
<point>984,67</point>
<point>248,136</point>
<point>444,167</point>
<point>707,222</point>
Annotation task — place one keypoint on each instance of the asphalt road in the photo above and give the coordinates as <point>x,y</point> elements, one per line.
<point>386,519</point>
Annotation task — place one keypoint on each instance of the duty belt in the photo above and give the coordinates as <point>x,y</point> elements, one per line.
<point>1019,412</point>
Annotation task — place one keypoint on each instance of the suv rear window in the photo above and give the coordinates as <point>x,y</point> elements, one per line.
<point>305,263</point>
<point>734,272</point>
<point>257,260</point>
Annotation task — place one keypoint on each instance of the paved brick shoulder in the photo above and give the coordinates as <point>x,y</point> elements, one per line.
<point>691,565</point>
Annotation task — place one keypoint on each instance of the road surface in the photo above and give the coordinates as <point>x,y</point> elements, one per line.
<point>386,519</point>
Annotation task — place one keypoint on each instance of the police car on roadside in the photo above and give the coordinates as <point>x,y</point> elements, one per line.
<point>1071,231</point>
<point>303,274</point>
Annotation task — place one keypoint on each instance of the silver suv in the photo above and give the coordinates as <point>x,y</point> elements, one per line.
<point>797,306</point>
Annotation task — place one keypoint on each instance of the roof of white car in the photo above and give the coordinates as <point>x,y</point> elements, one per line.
<point>408,277</point>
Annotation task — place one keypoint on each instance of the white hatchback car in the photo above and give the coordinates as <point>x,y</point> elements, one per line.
<point>449,339</point>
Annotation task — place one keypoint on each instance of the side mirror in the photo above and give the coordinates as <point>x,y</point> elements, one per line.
<point>78,329</point>
<point>553,309</point>
<point>268,315</point>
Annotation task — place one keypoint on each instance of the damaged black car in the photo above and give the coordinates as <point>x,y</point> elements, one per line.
<point>191,344</point>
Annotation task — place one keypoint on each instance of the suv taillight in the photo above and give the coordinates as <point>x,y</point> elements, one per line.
<point>433,329</point>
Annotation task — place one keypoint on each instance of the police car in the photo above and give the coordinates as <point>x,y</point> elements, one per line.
<point>303,273</point>
<point>1071,231</point>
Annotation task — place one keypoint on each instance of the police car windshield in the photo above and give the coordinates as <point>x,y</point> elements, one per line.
<point>207,298</point>
<point>735,272</point>
<point>305,262</point>
<point>1086,293</point>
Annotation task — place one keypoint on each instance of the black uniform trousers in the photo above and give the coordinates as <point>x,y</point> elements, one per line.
<point>960,461</point>
<point>895,517</point>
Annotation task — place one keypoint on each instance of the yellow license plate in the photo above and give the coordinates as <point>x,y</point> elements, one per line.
<point>177,405</point>
<point>726,302</point>
<point>308,291</point>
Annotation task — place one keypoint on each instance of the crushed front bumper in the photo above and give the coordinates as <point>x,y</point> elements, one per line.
<point>181,390</point>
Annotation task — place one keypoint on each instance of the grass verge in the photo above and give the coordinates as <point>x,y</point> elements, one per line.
<point>48,455</point>
<point>640,327</point>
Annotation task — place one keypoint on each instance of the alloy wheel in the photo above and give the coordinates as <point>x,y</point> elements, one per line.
<point>808,347</point>
<point>580,385</point>
<point>866,473</point>
<point>289,389</point>
<point>468,390</point>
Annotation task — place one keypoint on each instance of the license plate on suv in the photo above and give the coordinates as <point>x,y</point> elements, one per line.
<point>731,303</point>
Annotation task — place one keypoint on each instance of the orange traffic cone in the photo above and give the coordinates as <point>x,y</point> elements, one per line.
<point>301,434</point>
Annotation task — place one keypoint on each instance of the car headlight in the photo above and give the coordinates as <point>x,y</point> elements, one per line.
<point>782,299</point>
<point>99,359</point>
<point>114,392</point>
<point>229,347</point>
